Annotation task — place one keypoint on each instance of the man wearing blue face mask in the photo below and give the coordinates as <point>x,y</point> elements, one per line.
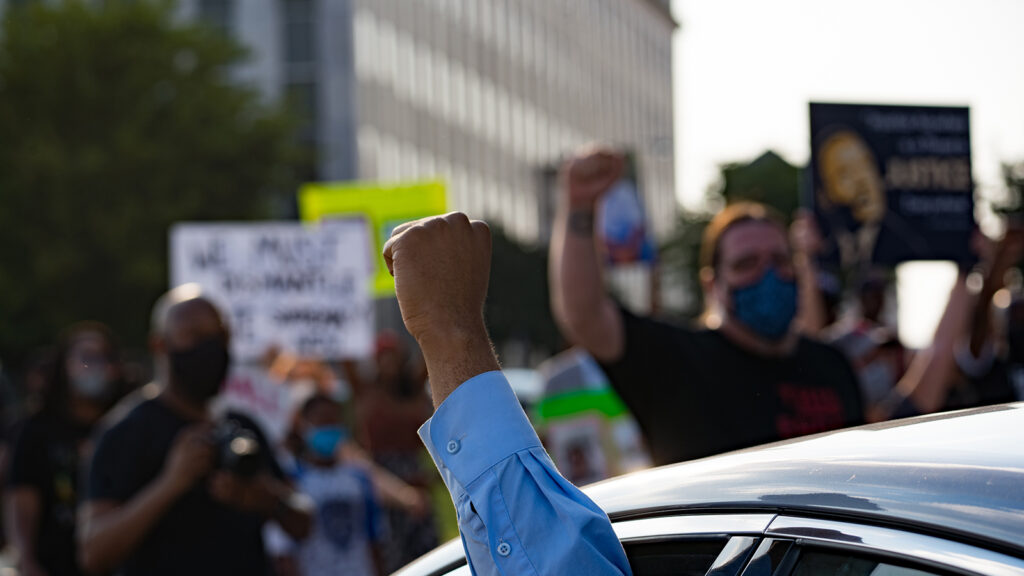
<point>743,379</point>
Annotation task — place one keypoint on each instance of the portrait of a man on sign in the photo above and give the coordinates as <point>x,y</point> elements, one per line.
<point>891,184</point>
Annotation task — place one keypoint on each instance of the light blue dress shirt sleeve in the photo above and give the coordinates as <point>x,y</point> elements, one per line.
<point>517,515</point>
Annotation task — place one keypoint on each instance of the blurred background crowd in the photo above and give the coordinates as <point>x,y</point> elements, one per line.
<point>155,145</point>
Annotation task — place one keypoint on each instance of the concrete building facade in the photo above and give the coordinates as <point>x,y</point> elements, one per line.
<point>487,95</point>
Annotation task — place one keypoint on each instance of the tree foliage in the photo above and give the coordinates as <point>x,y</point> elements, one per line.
<point>117,121</point>
<point>1013,180</point>
<point>518,298</point>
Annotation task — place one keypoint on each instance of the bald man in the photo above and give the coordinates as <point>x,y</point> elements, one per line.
<point>155,503</point>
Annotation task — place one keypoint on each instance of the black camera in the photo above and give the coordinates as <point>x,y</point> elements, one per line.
<point>237,449</point>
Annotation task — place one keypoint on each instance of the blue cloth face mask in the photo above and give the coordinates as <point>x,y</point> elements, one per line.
<point>766,307</point>
<point>323,441</point>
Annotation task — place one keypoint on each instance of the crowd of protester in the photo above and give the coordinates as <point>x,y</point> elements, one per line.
<point>772,357</point>
<point>106,475</point>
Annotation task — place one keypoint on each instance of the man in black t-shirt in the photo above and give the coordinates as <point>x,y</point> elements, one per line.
<point>156,502</point>
<point>746,379</point>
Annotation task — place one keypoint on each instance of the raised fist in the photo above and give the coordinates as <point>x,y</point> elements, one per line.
<point>441,267</point>
<point>590,173</point>
<point>191,456</point>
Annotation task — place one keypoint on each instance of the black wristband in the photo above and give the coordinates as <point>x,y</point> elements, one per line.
<point>581,222</point>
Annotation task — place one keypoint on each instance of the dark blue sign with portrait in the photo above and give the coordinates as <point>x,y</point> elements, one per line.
<point>892,183</point>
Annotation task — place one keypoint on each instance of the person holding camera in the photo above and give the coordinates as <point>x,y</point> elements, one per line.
<point>168,490</point>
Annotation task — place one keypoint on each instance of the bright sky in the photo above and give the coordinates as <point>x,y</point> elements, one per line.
<point>746,69</point>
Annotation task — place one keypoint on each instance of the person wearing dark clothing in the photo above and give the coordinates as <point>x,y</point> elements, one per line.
<point>163,495</point>
<point>200,533</point>
<point>42,488</point>
<point>695,392</point>
<point>748,378</point>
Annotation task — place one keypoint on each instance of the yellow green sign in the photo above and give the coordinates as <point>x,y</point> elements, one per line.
<point>384,206</point>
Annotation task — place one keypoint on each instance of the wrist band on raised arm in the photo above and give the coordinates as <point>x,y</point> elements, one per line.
<point>581,222</point>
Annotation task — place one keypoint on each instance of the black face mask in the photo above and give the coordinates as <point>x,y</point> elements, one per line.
<point>200,370</point>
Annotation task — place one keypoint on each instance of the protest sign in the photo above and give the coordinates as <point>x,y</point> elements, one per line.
<point>284,285</point>
<point>623,220</point>
<point>384,206</point>
<point>892,183</point>
<point>249,390</point>
<point>587,430</point>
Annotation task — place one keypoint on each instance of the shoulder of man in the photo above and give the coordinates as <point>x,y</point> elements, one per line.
<point>660,325</point>
<point>826,356</point>
<point>128,420</point>
<point>820,349</point>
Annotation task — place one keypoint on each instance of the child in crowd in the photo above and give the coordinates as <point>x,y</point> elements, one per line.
<point>346,530</point>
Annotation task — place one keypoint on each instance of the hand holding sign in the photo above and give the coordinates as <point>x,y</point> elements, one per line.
<point>441,267</point>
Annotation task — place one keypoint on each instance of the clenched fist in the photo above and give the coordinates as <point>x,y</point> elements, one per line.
<point>441,267</point>
<point>590,173</point>
<point>191,457</point>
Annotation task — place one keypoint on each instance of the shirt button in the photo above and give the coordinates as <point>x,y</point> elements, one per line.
<point>453,446</point>
<point>504,549</point>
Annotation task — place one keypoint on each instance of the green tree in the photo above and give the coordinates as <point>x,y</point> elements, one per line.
<point>117,121</point>
<point>1013,180</point>
<point>518,300</point>
<point>768,179</point>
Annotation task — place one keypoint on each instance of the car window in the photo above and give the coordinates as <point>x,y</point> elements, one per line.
<point>819,563</point>
<point>673,558</point>
<point>768,557</point>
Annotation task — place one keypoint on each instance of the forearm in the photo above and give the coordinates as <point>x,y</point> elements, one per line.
<point>456,355</point>
<point>112,532</point>
<point>507,492</point>
<point>981,315</point>
<point>293,512</point>
<point>584,311</point>
<point>21,505</point>
<point>927,381</point>
<point>390,490</point>
<point>811,315</point>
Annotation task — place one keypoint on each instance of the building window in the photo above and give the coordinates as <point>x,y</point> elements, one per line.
<point>365,32</point>
<point>300,39</point>
<point>217,14</point>
<point>301,100</point>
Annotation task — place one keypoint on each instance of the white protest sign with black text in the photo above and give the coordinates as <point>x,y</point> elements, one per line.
<point>285,285</point>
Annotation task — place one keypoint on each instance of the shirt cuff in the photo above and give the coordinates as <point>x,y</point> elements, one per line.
<point>480,424</point>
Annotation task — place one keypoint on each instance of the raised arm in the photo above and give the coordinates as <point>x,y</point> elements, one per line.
<point>517,515</point>
<point>925,387</point>
<point>22,509</point>
<point>586,314</point>
<point>806,242</point>
<point>1007,253</point>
